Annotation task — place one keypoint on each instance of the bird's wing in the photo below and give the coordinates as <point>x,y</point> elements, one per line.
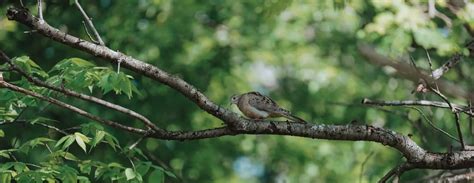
<point>264,103</point>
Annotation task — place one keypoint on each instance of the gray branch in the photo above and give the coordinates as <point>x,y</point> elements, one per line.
<point>40,10</point>
<point>464,109</point>
<point>89,22</point>
<point>70,107</point>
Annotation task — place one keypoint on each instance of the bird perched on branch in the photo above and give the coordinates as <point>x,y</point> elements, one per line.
<point>257,106</point>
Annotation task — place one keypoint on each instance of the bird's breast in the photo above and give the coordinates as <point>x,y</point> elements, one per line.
<point>251,111</point>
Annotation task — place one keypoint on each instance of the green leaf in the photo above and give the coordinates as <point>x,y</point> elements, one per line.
<point>85,167</point>
<point>143,167</point>
<point>22,62</point>
<point>20,167</point>
<point>62,140</point>
<point>68,142</point>
<point>5,177</point>
<point>29,66</point>
<point>80,140</point>
<point>2,133</point>
<point>70,156</point>
<point>171,174</point>
<point>90,128</point>
<point>99,135</point>
<point>156,176</point>
<point>81,62</point>
<point>124,84</point>
<point>67,174</point>
<point>105,83</point>
<point>33,143</point>
<point>115,165</point>
<point>119,82</point>
<point>83,179</point>
<point>130,174</point>
<point>42,119</point>
<point>5,155</point>
<point>72,64</point>
<point>431,38</point>
<point>82,136</point>
<point>99,171</point>
<point>111,140</point>
<point>6,166</point>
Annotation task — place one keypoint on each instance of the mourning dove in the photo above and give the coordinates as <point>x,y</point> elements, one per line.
<point>257,106</point>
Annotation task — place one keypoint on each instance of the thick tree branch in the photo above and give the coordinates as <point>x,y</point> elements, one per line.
<point>70,107</point>
<point>396,171</point>
<point>414,154</point>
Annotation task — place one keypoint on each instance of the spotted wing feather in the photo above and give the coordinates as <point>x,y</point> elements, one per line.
<point>264,103</point>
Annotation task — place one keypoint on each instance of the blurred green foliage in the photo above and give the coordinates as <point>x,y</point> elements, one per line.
<point>303,53</point>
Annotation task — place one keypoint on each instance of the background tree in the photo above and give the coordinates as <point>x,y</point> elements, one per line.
<point>166,69</point>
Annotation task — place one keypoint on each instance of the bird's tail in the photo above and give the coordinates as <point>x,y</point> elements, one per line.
<point>294,118</point>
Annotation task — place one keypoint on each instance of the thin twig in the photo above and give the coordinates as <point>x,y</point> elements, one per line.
<point>162,164</point>
<point>72,128</point>
<point>21,4</point>
<point>465,109</point>
<point>140,139</point>
<point>19,115</point>
<point>470,118</point>
<point>88,34</point>
<point>436,74</point>
<point>33,165</point>
<point>53,128</point>
<point>89,22</point>
<point>6,122</point>
<point>430,64</point>
<point>445,18</point>
<point>40,10</point>
<point>456,115</point>
<point>433,125</point>
<point>458,127</point>
<point>363,165</point>
<point>421,87</point>
<point>396,171</point>
<point>71,108</point>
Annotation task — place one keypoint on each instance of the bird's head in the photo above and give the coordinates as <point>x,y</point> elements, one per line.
<point>234,99</point>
